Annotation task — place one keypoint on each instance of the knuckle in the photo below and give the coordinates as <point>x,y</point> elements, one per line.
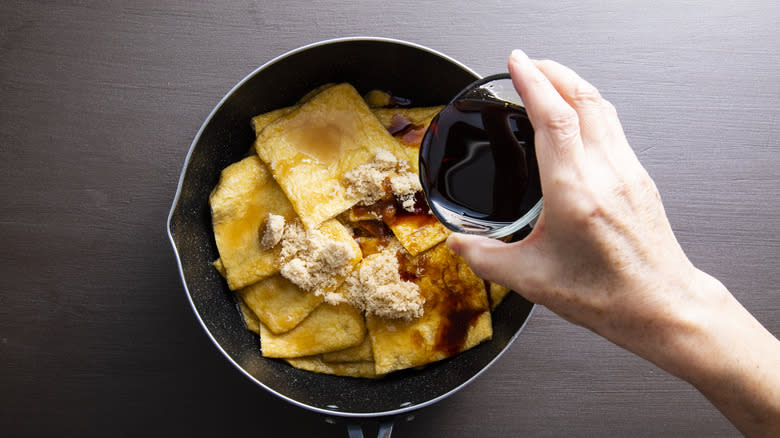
<point>585,94</point>
<point>609,107</point>
<point>588,213</point>
<point>640,181</point>
<point>623,187</point>
<point>564,125</point>
<point>596,213</point>
<point>648,186</point>
<point>537,80</point>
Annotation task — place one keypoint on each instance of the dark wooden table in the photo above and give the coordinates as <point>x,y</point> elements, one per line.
<point>99,104</point>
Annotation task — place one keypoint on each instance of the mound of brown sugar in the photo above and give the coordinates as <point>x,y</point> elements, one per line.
<point>273,231</point>
<point>367,183</point>
<point>376,287</point>
<point>313,261</point>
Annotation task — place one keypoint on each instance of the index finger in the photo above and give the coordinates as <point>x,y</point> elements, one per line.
<point>598,118</point>
<point>555,122</point>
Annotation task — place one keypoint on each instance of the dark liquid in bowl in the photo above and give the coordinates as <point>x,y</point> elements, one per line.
<point>478,160</point>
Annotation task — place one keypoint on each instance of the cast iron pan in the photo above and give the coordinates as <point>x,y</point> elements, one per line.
<point>408,70</point>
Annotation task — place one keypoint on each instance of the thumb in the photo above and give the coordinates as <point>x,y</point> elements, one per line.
<point>508,264</point>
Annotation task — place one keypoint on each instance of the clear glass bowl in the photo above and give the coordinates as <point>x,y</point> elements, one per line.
<point>491,90</point>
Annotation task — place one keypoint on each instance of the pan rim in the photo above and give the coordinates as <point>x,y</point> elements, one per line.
<point>175,203</point>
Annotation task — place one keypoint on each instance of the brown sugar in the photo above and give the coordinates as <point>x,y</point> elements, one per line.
<point>313,261</point>
<point>376,287</point>
<point>366,183</point>
<point>405,185</point>
<point>273,230</point>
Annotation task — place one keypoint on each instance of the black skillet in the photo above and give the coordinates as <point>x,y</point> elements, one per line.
<point>408,70</point>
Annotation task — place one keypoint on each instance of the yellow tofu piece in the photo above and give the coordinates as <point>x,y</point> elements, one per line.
<point>377,98</point>
<point>245,195</point>
<point>372,245</point>
<point>259,123</point>
<point>456,316</point>
<point>250,319</point>
<point>359,353</point>
<point>418,233</point>
<point>308,96</point>
<point>328,328</point>
<point>278,303</point>
<point>310,149</point>
<point>220,267</point>
<point>497,294</point>
<point>346,369</point>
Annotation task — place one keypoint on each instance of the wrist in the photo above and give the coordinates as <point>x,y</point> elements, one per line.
<point>699,324</point>
<point>720,348</point>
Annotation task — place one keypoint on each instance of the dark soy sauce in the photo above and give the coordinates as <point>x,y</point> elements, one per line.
<point>478,160</point>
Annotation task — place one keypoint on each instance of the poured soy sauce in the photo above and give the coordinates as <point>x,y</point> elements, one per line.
<point>477,160</point>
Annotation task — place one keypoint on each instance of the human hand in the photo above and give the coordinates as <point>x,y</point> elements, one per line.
<point>603,255</point>
<point>602,249</point>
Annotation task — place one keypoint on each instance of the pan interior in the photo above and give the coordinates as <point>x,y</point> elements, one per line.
<point>406,70</point>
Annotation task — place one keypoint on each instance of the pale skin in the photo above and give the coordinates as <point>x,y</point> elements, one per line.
<point>603,255</point>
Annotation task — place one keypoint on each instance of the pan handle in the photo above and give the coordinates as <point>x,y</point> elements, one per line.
<point>385,430</point>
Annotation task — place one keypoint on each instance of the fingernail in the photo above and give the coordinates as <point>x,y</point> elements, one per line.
<point>518,57</point>
<point>454,242</point>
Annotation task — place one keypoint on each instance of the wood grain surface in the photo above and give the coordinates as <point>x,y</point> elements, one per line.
<point>100,101</point>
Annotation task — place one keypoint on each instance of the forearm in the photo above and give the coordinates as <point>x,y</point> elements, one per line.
<point>717,346</point>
